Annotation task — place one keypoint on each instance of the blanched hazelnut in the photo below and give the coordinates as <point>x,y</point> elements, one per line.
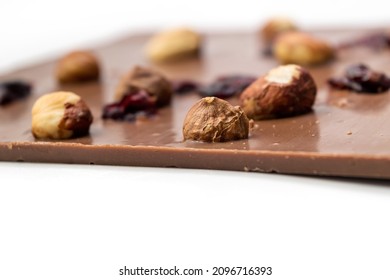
<point>155,84</point>
<point>60,115</point>
<point>78,66</point>
<point>301,48</point>
<point>215,120</point>
<point>173,45</point>
<point>275,27</point>
<point>284,91</point>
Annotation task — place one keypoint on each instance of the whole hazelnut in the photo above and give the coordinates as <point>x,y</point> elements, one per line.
<point>139,78</point>
<point>284,91</point>
<point>276,26</point>
<point>215,120</point>
<point>78,66</point>
<point>60,115</point>
<point>173,45</point>
<point>301,48</point>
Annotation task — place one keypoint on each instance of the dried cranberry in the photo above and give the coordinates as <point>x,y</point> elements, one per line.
<point>130,104</point>
<point>360,78</point>
<point>137,101</point>
<point>184,86</point>
<point>13,90</point>
<point>227,86</point>
<point>113,111</point>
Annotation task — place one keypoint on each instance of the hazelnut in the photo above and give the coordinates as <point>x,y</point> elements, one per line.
<point>275,27</point>
<point>284,91</point>
<point>173,45</point>
<point>78,66</point>
<point>215,120</point>
<point>156,85</point>
<point>301,48</point>
<point>60,115</point>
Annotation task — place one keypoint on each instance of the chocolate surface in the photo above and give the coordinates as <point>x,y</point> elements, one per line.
<point>346,134</point>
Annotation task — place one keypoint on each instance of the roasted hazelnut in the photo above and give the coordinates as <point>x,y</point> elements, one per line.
<point>173,45</point>
<point>301,48</point>
<point>155,84</point>
<point>60,115</point>
<point>284,91</point>
<point>215,120</point>
<point>78,66</point>
<point>276,26</point>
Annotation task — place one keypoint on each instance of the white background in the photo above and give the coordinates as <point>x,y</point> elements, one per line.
<point>87,222</point>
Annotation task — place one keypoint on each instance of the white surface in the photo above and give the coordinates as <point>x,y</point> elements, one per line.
<point>32,30</point>
<point>87,222</point>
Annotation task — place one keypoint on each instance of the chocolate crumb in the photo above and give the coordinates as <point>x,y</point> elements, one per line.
<point>343,102</point>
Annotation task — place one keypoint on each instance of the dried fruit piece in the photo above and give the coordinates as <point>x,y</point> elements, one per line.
<point>173,45</point>
<point>184,86</point>
<point>360,78</point>
<point>78,66</point>
<point>301,48</point>
<point>141,90</point>
<point>60,115</point>
<point>215,120</point>
<point>227,86</point>
<point>13,90</point>
<point>129,106</point>
<point>284,91</point>
<point>139,78</point>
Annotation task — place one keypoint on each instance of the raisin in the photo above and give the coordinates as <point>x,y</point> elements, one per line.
<point>13,90</point>
<point>184,86</point>
<point>360,78</point>
<point>227,86</point>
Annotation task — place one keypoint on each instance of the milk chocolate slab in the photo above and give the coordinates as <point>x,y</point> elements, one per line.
<point>347,134</point>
